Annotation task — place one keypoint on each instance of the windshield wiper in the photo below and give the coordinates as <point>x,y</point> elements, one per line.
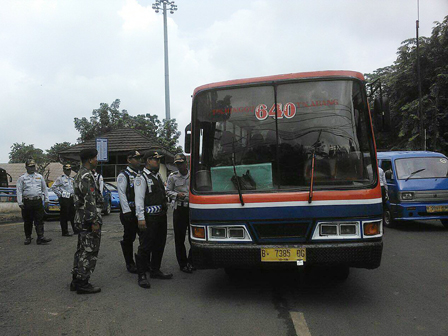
<point>238,186</point>
<point>317,143</point>
<point>413,173</point>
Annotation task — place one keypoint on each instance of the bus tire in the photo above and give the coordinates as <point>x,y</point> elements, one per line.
<point>445,223</point>
<point>388,219</point>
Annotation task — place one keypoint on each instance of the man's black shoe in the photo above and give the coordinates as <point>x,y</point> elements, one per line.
<point>87,289</point>
<point>132,268</point>
<point>73,286</point>
<point>27,240</point>
<point>143,281</point>
<point>160,275</point>
<point>67,234</point>
<point>191,267</point>
<point>186,269</point>
<point>43,240</point>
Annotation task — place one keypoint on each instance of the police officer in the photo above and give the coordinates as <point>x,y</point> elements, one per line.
<point>125,186</point>
<point>151,207</point>
<point>88,221</point>
<point>177,189</point>
<point>63,188</point>
<point>31,188</point>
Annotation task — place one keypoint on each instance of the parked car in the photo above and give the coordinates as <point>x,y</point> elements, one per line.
<point>53,208</point>
<point>115,200</point>
<point>417,184</point>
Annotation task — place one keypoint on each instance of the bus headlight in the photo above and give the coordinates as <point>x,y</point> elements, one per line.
<point>218,232</point>
<point>228,233</point>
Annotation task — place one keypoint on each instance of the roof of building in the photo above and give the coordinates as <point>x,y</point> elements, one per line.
<point>120,141</point>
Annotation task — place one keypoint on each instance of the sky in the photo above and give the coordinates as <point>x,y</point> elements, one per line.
<point>60,59</point>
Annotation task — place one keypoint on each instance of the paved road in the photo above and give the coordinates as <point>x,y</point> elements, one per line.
<point>407,295</point>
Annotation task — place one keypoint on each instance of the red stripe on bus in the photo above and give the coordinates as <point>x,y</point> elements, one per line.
<point>289,197</point>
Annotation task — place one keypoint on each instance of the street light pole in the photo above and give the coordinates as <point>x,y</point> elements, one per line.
<point>162,5</point>
<point>419,84</point>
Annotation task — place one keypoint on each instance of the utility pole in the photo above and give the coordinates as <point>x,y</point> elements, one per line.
<point>157,6</point>
<point>419,83</point>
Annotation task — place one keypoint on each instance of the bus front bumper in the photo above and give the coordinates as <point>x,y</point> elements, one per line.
<point>359,255</point>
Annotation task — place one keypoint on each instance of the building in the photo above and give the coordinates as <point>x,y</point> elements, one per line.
<point>120,141</point>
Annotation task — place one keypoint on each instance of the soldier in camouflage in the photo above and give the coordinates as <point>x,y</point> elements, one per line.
<point>88,204</point>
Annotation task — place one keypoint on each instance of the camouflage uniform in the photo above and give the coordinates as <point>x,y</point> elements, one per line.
<point>88,205</point>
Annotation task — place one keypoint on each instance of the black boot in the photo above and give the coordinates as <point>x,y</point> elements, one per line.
<point>42,240</point>
<point>73,284</point>
<point>143,281</point>
<point>128,257</point>
<point>27,240</point>
<point>141,270</point>
<point>84,287</point>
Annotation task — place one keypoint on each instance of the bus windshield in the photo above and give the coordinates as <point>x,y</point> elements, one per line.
<point>265,137</point>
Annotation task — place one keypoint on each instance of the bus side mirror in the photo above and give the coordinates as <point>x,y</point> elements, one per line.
<point>389,175</point>
<point>381,111</point>
<point>187,139</point>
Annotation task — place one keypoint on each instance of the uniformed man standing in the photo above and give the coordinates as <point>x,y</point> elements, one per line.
<point>31,188</point>
<point>88,221</point>
<point>63,188</point>
<point>177,189</point>
<point>126,193</point>
<point>151,207</point>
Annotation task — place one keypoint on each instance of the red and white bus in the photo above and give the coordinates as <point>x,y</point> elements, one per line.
<point>284,172</point>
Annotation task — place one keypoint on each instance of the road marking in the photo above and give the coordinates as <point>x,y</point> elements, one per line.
<point>300,324</point>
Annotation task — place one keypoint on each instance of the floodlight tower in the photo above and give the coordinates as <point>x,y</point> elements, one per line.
<point>165,5</point>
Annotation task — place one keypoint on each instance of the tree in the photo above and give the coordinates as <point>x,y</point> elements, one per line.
<point>52,153</point>
<point>108,118</point>
<point>21,152</point>
<point>400,84</point>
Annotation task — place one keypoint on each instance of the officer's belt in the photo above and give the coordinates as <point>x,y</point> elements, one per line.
<point>34,198</point>
<point>153,209</point>
<point>182,204</point>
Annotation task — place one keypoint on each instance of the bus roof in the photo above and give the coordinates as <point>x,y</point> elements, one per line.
<point>285,77</point>
<point>407,154</point>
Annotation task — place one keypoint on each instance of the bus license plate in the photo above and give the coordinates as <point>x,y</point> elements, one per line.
<point>437,208</point>
<point>283,254</point>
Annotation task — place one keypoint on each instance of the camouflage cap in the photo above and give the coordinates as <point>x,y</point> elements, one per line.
<point>179,158</point>
<point>30,163</point>
<point>152,154</point>
<point>88,153</point>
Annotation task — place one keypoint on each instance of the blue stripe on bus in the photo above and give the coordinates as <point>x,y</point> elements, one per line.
<point>302,212</point>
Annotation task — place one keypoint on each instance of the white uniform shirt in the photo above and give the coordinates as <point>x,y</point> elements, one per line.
<point>122,186</point>
<point>140,191</point>
<point>383,181</point>
<point>31,185</point>
<point>178,183</point>
<point>63,186</point>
